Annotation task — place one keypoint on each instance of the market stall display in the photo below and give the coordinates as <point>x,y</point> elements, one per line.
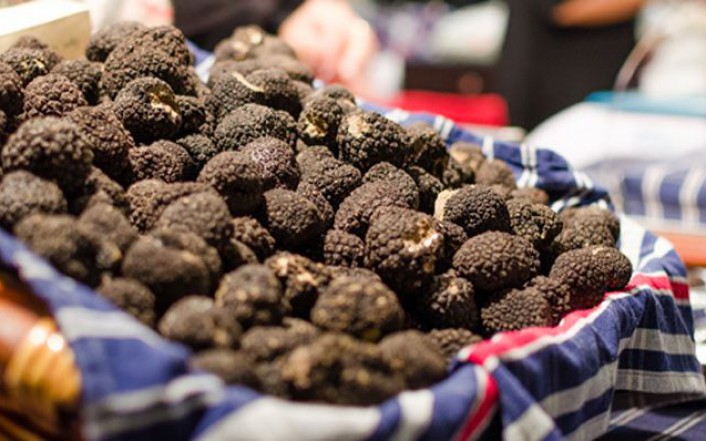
<point>261,214</point>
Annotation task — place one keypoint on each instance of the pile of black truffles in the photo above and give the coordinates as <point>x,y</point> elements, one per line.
<point>296,243</point>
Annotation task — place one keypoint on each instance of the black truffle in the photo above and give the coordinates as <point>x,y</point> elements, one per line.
<point>404,247</point>
<point>335,179</point>
<point>451,340</point>
<point>516,309</point>
<point>428,149</point>
<point>22,194</point>
<point>366,138</point>
<point>51,95</point>
<point>343,249</point>
<point>238,178</point>
<point>531,195</point>
<point>290,218</point>
<point>109,140</point>
<point>148,109</point>
<point>253,295</point>
<point>251,42</point>
<point>477,209</point>
<point>29,63</point>
<point>128,63</point>
<point>302,279</point>
<point>163,160</point>
<point>231,91</point>
<point>558,295</point>
<point>588,226</point>
<point>252,121</point>
<point>166,38</point>
<point>251,233</point>
<point>313,195</point>
<point>362,307</point>
<point>395,177</point>
<point>84,74</point>
<point>200,148</point>
<point>535,222</point>
<point>268,343</point>
<point>277,160</point>
<point>233,367</point>
<point>496,172</point>
<point>11,95</point>
<point>107,222</point>
<point>429,188</point>
<point>495,260</point>
<point>204,214</point>
<point>415,356</point>
<point>51,148</point>
<point>198,323</point>
<point>108,38</point>
<point>193,115</point>
<point>318,122</point>
<point>100,189</point>
<point>278,89</point>
<point>449,303</point>
<point>130,295</point>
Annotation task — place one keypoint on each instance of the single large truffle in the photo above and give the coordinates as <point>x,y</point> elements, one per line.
<point>278,89</point>
<point>204,214</point>
<point>84,74</point>
<point>150,197</point>
<point>302,279</point>
<point>535,222</point>
<point>477,209</point>
<point>318,122</point>
<point>415,356</point>
<point>397,178</point>
<point>449,303</point>
<point>163,160</point>
<point>29,63</point>
<point>253,295</point>
<point>515,310</point>
<point>51,148</point>
<point>251,42</point>
<point>238,178</point>
<point>198,323</point>
<point>557,293</point>
<point>494,261</point>
<point>22,194</point>
<point>404,247</point>
<point>251,121</point>
<point>109,37</point>
<point>109,140</point>
<point>584,227</point>
<point>344,249</point>
<point>339,369</point>
<point>290,218</point>
<point>167,38</point>
<point>200,148</point>
<point>99,189</point>
<point>364,308</point>
<point>51,95</point>
<point>231,91</point>
<point>333,178</point>
<point>496,172</point>
<point>130,295</point>
<point>148,109</point>
<point>277,160</point>
<point>11,95</point>
<point>251,233</point>
<point>110,224</point>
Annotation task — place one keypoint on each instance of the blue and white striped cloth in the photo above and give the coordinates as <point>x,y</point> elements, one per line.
<point>536,384</point>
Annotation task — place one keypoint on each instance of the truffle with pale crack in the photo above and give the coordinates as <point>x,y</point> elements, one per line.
<point>428,149</point>
<point>318,122</point>
<point>449,303</point>
<point>29,63</point>
<point>302,279</point>
<point>535,222</point>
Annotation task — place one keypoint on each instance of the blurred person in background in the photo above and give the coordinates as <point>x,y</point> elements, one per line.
<point>326,34</point>
<point>557,52</point>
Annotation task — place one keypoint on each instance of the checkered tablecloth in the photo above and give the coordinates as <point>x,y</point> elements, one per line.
<point>535,384</point>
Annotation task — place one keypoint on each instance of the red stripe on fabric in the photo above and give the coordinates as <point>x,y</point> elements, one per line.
<point>481,415</point>
<point>680,290</point>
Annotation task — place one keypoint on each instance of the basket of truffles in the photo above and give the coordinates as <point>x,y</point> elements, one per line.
<point>253,258</point>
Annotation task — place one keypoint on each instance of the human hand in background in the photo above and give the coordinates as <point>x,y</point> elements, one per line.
<point>594,13</point>
<point>331,38</point>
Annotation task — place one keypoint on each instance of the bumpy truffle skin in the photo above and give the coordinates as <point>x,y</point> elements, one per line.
<point>394,177</point>
<point>343,249</point>
<point>429,188</point>
<point>338,369</point>
<point>495,260</point>
<point>110,141</point>
<point>193,114</point>
<point>451,340</point>
<point>231,91</point>
<point>496,172</point>
<point>449,303</point>
<point>172,273</point>
<point>455,238</point>
<point>558,295</point>
<point>366,138</point>
<point>166,38</point>
<point>303,279</point>
<point>588,226</point>
<point>52,149</point>
<point>535,222</point>
<point>336,92</point>
<point>354,213</point>
<point>198,323</point>
<point>108,38</point>
<point>268,343</point>
<point>290,218</point>
<point>59,239</point>
<point>531,195</point>
<point>278,162</point>
<point>238,178</point>
<point>84,74</point>
<point>11,96</point>
<point>51,95</point>
<point>107,222</point>
<point>22,194</point>
<point>415,356</point>
<point>147,108</point>
<point>313,195</point>
<point>364,308</point>
<point>252,121</point>
<point>233,367</point>
<point>428,149</point>
<point>125,65</point>
<point>477,209</point>
<point>204,214</point>
<point>590,272</point>
<point>100,189</point>
<point>334,179</point>
<point>158,161</point>
<point>404,247</point>
<point>456,174</point>
<point>318,122</point>
<point>200,148</point>
<point>191,243</point>
<point>515,310</point>
<point>251,42</point>
<point>130,295</point>
<point>251,233</point>
<point>150,197</point>
<point>253,295</point>
<point>279,90</point>
<point>29,63</point>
